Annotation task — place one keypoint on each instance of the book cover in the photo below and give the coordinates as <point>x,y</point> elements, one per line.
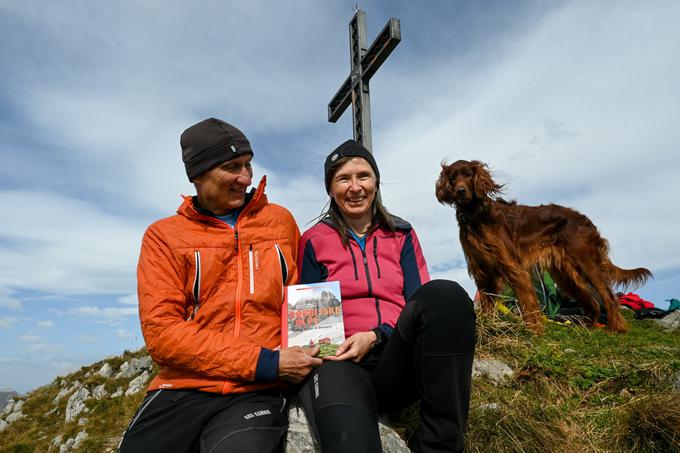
<point>312,315</point>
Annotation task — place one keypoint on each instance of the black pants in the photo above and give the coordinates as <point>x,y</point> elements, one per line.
<point>428,359</point>
<point>193,421</point>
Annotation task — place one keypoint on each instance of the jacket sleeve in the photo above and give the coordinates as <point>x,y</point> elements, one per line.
<point>311,270</point>
<point>172,340</point>
<point>413,265</point>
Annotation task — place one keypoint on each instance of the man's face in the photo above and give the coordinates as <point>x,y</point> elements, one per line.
<point>223,187</point>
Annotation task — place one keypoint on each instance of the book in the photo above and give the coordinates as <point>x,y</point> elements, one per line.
<point>312,315</point>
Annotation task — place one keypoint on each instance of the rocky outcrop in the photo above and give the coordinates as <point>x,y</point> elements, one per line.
<point>300,439</point>
<point>76,404</point>
<point>671,321</point>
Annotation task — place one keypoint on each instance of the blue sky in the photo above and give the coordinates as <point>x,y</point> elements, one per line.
<point>571,102</point>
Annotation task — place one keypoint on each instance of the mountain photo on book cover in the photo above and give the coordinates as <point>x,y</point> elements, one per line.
<point>314,316</point>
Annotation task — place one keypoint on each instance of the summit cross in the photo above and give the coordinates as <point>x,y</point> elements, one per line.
<point>365,62</point>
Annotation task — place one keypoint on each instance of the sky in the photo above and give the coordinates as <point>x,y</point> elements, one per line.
<point>568,102</point>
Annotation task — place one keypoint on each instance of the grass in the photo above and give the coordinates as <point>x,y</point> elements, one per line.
<point>575,389</point>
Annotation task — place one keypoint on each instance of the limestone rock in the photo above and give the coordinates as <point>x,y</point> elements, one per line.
<point>99,392</point>
<point>76,404</point>
<point>66,390</point>
<point>80,438</point>
<point>106,370</point>
<point>3,425</point>
<point>300,439</point>
<point>117,393</point>
<point>14,416</point>
<point>133,367</point>
<point>671,321</point>
<point>493,370</point>
<point>137,384</point>
<point>9,407</point>
<point>56,442</point>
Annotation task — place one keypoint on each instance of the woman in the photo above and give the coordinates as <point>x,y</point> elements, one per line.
<point>408,339</point>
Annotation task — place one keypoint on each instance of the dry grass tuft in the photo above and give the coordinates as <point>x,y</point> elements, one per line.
<point>650,424</point>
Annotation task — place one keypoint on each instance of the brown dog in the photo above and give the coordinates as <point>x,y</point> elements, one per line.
<point>503,241</point>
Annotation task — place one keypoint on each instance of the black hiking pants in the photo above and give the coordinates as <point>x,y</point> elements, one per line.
<point>428,358</point>
<point>194,421</point>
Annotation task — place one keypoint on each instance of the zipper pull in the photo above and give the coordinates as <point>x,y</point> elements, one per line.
<point>236,238</point>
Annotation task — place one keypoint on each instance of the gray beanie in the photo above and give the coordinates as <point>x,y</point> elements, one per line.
<point>351,148</point>
<point>210,143</point>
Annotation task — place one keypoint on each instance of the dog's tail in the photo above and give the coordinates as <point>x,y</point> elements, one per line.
<point>629,278</point>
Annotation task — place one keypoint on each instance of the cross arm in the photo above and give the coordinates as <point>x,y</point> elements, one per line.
<point>381,48</point>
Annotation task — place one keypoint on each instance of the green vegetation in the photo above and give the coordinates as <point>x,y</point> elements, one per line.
<point>573,389</point>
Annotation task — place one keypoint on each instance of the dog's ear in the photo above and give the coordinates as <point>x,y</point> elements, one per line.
<point>483,184</point>
<point>442,186</point>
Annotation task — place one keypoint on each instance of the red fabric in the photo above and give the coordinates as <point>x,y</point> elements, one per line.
<point>634,302</point>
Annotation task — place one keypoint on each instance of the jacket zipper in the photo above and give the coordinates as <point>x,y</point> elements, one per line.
<point>375,254</point>
<point>354,262</point>
<point>250,267</point>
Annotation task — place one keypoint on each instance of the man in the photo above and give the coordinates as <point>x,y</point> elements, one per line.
<point>210,286</point>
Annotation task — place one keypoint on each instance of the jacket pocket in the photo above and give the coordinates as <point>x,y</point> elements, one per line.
<point>284,268</point>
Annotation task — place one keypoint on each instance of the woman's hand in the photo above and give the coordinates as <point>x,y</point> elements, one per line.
<point>355,347</point>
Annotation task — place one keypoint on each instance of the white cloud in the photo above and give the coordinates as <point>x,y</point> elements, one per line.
<point>87,339</point>
<point>128,300</point>
<point>7,321</point>
<point>29,338</point>
<point>45,323</point>
<point>11,304</point>
<point>123,334</point>
<point>106,315</point>
<point>72,247</point>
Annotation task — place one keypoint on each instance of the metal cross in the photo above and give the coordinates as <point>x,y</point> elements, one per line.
<point>364,64</point>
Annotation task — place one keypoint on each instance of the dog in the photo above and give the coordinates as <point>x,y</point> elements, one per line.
<point>503,241</point>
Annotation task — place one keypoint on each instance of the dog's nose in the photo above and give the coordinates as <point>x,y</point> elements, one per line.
<point>461,191</point>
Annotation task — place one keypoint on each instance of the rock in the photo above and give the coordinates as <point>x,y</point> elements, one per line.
<point>99,392</point>
<point>117,393</point>
<point>133,367</point>
<point>3,425</point>
<point>671,321</point>
<point>14,416</point>
<point>137,384</point>
<point>488,407</point>
<point>106,370</point>
<point>300,439</point>
<point>80,438</point>
<point>67,446</point>
<point>494,370</point>
<point>57,441</point>
<point>65,391</point>
<point>76,404</point>
<point>9,407</point>
<point>391,442</point>
<point>82,421</point>
<point>63,383</point>
<point>18,405</point>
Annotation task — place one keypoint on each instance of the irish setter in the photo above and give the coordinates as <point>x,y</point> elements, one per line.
<point>503,241</point>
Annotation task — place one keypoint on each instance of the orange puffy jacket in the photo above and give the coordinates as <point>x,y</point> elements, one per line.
<point>210,295</point>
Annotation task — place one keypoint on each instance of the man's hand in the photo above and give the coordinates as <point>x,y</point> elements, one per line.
<point>355,347</point>
<point>295,363</point>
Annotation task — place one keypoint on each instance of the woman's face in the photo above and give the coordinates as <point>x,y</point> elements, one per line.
<point>353,188</point>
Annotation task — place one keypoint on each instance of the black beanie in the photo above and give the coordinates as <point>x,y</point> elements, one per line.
<point>351,148</point>
<point>209,143</point>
